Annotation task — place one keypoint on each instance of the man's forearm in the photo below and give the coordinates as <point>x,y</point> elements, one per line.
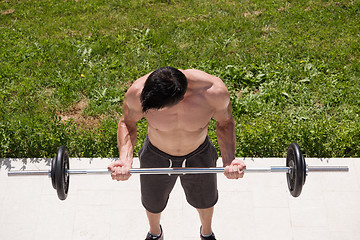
<point>225,132</point>
<point>126,138</point>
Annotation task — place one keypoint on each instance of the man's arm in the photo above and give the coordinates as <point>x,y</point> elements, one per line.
<point>225,131</point>
<point>126,134</point>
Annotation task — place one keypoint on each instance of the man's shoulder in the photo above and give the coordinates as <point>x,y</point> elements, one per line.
<point>218,95</point>
<point>195,74</point>
<point>132,96</point>
<point>215,92</point>
<point>136,87</point>
<point>213,83</point>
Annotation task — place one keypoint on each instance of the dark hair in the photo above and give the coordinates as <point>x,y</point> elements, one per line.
<point>164,87</point>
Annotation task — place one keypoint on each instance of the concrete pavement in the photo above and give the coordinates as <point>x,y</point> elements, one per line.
<point>256,207</point>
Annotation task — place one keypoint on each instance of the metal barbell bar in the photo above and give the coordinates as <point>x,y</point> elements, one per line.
<point>272,169</point>
<point>296,171</point>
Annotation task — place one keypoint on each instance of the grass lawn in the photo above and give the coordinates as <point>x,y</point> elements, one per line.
<point>292,67</point>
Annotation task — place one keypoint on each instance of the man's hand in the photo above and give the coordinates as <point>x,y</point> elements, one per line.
<point>235,169</point>
<point>120,170</point>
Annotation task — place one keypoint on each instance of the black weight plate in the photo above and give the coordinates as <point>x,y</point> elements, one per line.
<point>52,172</point>
<point>61,175</point>
<point>296,177</point>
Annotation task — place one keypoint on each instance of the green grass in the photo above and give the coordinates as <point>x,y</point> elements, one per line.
<point>292,68</point>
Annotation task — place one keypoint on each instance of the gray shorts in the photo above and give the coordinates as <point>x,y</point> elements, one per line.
<point>200,189</point>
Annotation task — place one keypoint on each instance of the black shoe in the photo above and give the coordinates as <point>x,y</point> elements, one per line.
<point>211,237</point>
<point>149,236</point>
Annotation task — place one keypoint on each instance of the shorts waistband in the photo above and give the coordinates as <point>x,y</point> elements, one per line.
<point>178,158</point>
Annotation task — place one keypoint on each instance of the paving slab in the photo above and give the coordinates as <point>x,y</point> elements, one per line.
<point>256,207</point>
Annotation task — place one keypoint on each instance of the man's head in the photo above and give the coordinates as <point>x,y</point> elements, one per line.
<point>164,87</point>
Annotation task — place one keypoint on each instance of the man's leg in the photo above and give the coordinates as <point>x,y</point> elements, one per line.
<point>206,219</point>
<point>154,222</point>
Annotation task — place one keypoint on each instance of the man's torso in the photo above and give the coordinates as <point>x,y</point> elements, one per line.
<point>182,128</point>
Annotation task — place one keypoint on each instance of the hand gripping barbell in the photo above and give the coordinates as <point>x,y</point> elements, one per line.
<point>296,171</point>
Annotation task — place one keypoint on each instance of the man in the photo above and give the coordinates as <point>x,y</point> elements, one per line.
<point>178,105</point>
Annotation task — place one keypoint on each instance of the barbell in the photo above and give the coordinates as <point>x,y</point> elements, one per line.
<point>296,171</point>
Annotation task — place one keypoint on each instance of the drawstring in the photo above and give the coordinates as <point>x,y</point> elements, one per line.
<point>171,164</point>
<point>184,163</point>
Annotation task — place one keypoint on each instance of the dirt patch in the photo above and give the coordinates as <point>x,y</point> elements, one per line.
<point>76,115</point>
<point>9,11</point>
<point>252,14</point>
<point>268,29</point>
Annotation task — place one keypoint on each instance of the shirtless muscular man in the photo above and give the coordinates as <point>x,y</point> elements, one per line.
<point>178,105</point>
